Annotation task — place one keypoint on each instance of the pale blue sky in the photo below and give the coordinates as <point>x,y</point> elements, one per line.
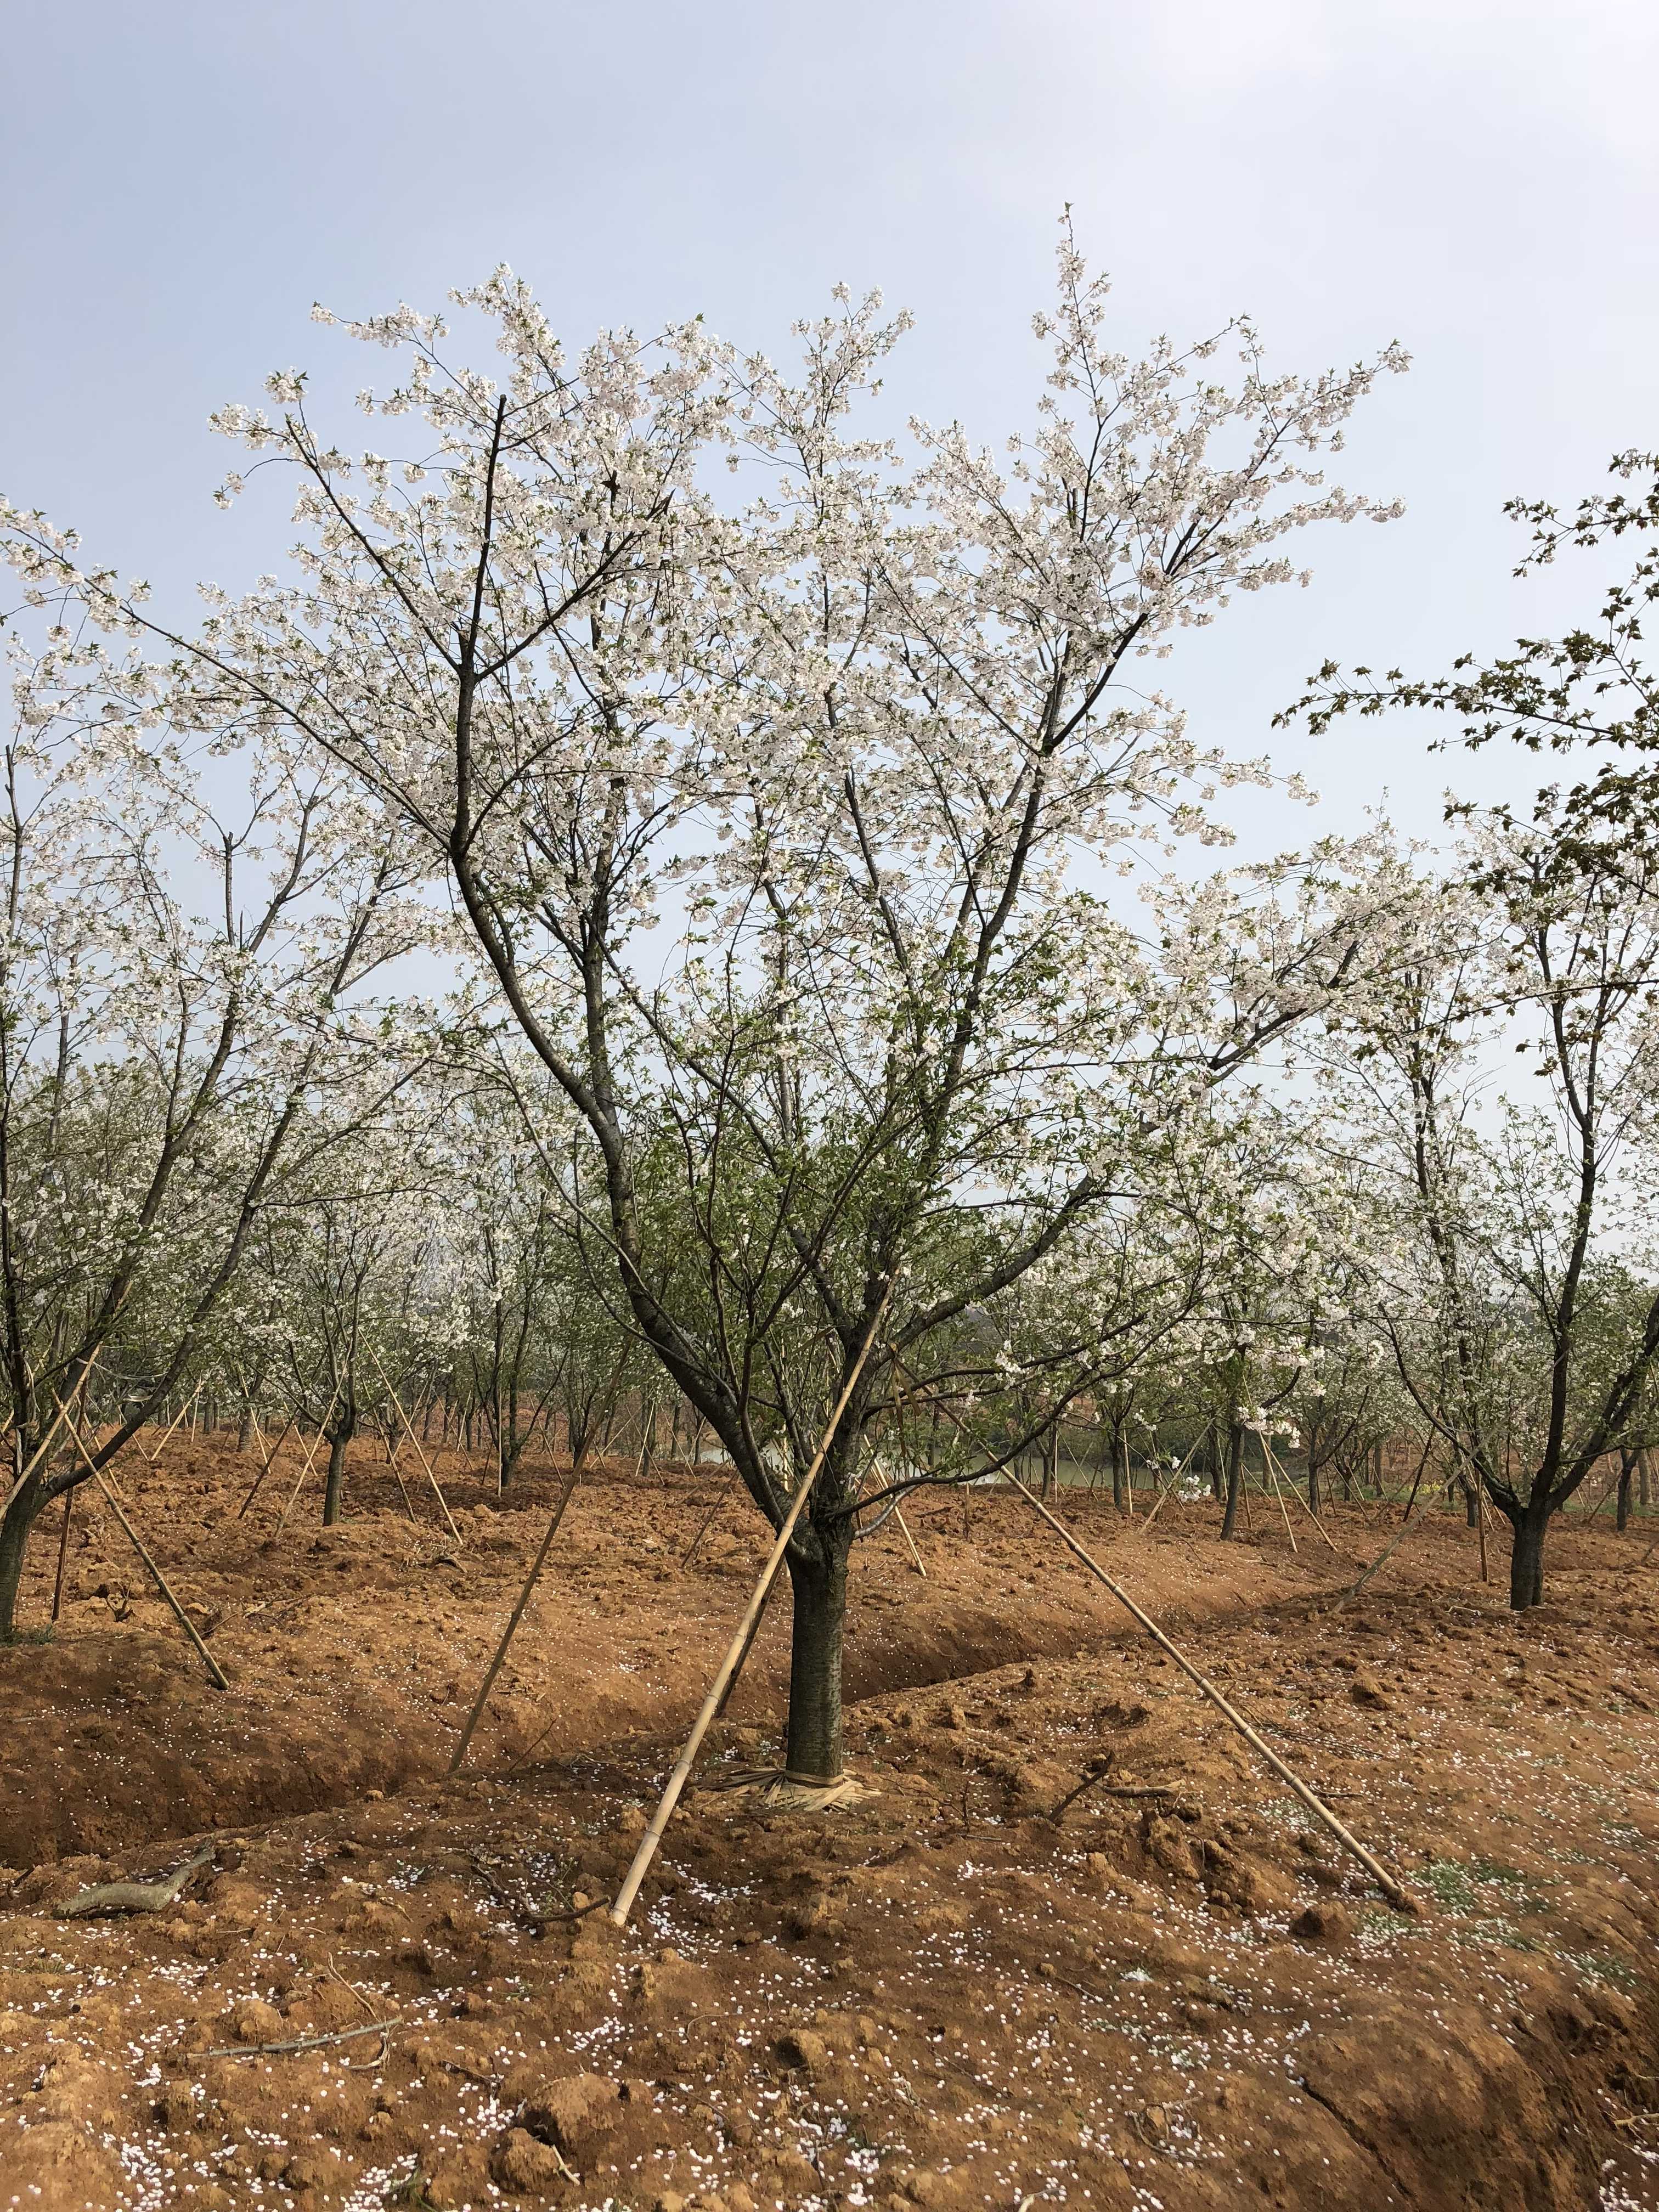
<point>1479,181</point>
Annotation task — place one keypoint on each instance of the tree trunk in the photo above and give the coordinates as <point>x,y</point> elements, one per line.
<point>1314,1500</point>
<point>334,1488</point>
<point>1621,1509</point>
<point>1235,1477</point>
<point>1527,1560</point>
<point>14,1544</point>
<point>820,1584</point>
<point>1120,1462</point>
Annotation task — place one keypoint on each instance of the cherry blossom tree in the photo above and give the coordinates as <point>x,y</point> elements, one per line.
<point>783,822</point>
<point>1564,948</point>
<point>1510,1234</point>
<point>155,1060</point>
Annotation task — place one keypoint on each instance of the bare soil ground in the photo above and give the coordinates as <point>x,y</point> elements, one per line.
<point>937,1996</point>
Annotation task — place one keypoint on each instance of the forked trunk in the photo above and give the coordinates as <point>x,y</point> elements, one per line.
<point>820,1584</point>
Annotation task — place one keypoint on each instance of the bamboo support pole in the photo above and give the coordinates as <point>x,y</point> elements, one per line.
<point>397,1476</point>
<point>1271,1468</point>
<point>904,1530</point>
<point>514,1619</point>
<point>1398,1538</point>
<point>693,1546</point>
<point>44,1444</point>
<point>152,1457</point>
<point>1399,1897</point>
<point>409,1431</point>
<point>270,1462</point>
<point>738,1649</point>
<point>1282,1473</point>
<point>161,1581</point>
<point>1480,1520</point>
<point>63,1556</point>
<point>749,1643</point>
<point>309,1462</point>
<point>1167,1492</point>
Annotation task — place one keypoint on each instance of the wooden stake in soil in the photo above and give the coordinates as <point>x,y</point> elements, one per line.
<point>904,1531</point>
<point>397,1476</point>
<point>1390,1549</point>
<point>1165,1494</point>
<point>692,1549</point>
<point>310,1462</point>
<point>514,1619</point>
<point>1480,1519</point>
<point>409,1431</point>
<point>160,1580</point>
<point>63,1555</point>
<point>1399,1897</point>
<point>1281,1479</point>
<point>189,1407</point>
<point>1270,1466</point>
<point>45,1443</point>
<point>1168,1489</point>
<point>738,1649</point>
<point>270,1462</point>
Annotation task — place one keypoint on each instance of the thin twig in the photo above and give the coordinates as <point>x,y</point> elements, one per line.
<point>299,2042</point>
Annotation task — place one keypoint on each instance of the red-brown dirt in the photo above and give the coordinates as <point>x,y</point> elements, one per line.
<point>938,1995</point>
